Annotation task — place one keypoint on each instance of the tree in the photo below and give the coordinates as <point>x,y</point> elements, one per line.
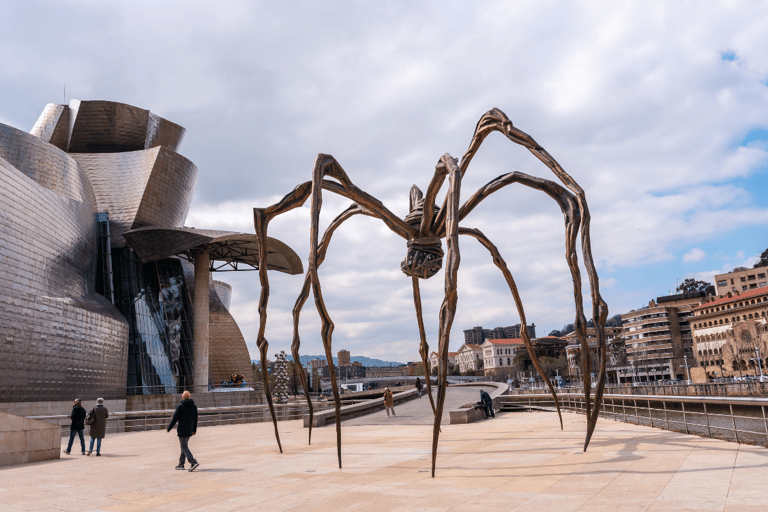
<point>614,321</point>
<point>692,285</point>
<point>568,328</point>
<point>617,351</point>
<point>763,260</point>
<point>739,269</point>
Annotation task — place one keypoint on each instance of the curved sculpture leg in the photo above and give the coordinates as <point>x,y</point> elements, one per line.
<point>496,120</point>
<point>304,294</point>
<point>327,324</point>
<point>260,223</point>
<point>448,308</point>
<point>502,265</point>
<point>424,346</point>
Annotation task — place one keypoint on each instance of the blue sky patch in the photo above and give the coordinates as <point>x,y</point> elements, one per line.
<point>729,55</point>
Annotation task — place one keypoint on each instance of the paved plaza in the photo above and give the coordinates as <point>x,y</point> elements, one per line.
<point>518,461</point>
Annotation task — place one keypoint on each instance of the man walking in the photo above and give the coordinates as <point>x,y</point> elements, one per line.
<point>186,416</point>
<point>78,425</point>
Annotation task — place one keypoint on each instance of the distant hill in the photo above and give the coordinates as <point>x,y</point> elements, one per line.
<point>365,361</point>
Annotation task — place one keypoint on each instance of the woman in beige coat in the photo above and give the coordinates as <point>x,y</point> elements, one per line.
<point>389,403</point>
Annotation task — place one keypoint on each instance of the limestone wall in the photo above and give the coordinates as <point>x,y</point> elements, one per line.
<point>25,440</point>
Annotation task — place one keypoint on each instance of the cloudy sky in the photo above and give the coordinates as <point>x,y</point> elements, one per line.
<point>659,110</point>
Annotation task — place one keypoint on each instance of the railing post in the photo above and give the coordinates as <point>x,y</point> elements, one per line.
<point>765,424</point>
<point>733,421</point>
<point>706,417</point>
<point>666,419</point>
<point>685,420</point>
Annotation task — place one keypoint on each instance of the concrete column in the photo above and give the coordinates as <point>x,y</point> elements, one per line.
<point>200,345</point>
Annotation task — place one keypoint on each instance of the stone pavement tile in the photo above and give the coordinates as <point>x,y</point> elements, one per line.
<point>749,483</point>
<point>546,501</point>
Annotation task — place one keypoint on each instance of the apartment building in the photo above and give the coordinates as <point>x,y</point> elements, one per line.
<point>469,357</point>
<point>729,334</point>
<point>742,280</point>
<point>659,340</point>
<point>434,360</point>
<point>478,335</point>
<point>498,357</point>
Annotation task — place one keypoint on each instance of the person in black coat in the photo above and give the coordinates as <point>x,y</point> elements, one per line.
<point>78,425</point>
<point>487,402</point>
<point>186,416</point>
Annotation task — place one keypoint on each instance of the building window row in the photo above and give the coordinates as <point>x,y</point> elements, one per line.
<point>726,321</point>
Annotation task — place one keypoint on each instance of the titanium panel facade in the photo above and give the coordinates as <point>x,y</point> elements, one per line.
<point>87,173</point>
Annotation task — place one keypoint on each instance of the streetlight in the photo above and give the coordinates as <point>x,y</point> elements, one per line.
<point>634,381</point>
<point>687,369</point>
<point>759,363</point>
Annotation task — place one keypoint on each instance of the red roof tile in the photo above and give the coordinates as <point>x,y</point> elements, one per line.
<point>507,341</point>
<point>735,298</point>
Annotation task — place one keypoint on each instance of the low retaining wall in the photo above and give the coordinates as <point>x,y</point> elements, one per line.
<point>471,415</point>
<point>323,418</point>
<point>25,440</point>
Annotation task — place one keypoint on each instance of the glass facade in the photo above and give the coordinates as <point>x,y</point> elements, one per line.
<point>155,300</point>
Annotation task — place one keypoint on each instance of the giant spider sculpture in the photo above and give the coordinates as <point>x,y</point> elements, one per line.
<point>423,228</point>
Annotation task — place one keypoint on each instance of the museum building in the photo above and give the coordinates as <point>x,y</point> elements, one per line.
<point>104,291</point>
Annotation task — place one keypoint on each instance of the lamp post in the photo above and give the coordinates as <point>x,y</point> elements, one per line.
<point>687,369</point>
<point>759,363</point>
<point>634,381</point>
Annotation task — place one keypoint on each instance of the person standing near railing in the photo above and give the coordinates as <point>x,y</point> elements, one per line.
<point>77,426</point>
<point>98,422</point>
<point>186,416</point>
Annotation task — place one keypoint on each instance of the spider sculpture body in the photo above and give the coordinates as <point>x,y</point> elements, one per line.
<point>423,228</point>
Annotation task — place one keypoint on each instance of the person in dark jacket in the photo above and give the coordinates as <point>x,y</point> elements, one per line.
<point>78,425</point>
<point>99,425</point>
<point>186,416</point>
<point>487,402</point>
<point>419,385</point>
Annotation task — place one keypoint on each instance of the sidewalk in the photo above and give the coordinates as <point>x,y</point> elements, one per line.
<point>518,461</point>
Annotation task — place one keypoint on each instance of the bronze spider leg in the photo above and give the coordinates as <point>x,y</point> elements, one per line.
<point>326,165</point>
<point>304,294</point>
<point>447,164</point>
<point>502,265</point>
<point>496,120</point>
<point>423,346</point>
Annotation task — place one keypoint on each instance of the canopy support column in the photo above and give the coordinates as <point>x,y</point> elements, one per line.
<point>200,346</point>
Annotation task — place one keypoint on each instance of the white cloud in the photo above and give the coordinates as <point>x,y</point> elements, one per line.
<point>694,254</point>
<point>633,100</point>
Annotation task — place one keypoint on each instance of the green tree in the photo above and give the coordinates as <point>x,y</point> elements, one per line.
<point>692,285</point>
<point>763,260</point>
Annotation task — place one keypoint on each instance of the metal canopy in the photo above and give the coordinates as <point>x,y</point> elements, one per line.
<point>229,251</point>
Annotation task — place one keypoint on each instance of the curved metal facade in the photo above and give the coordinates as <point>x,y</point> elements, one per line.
<point>59,339</point>
<point>87,173</point>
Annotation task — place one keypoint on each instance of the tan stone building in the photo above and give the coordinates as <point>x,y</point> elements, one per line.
<point>469,357</point>
<point>434,360</point>
<point>658,339</point>
<point>730,334</point>
<point>742,280</point>
<point>498,357</point>
<point>343,357</point>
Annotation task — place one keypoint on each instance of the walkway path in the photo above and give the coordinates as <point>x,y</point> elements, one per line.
<point>519,461</point>
<point>419,411</point>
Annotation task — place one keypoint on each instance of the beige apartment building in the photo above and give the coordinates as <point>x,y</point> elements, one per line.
<point>742,280</point>
<point>469,357</point>
<point>730,335</point>
<point>659,340</point>
<point>498,357</point>
<point>434,359</point>
<point>343,357</point>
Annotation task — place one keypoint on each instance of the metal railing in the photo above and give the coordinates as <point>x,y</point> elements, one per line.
<point>742,420</point>
<point>133,421</point>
